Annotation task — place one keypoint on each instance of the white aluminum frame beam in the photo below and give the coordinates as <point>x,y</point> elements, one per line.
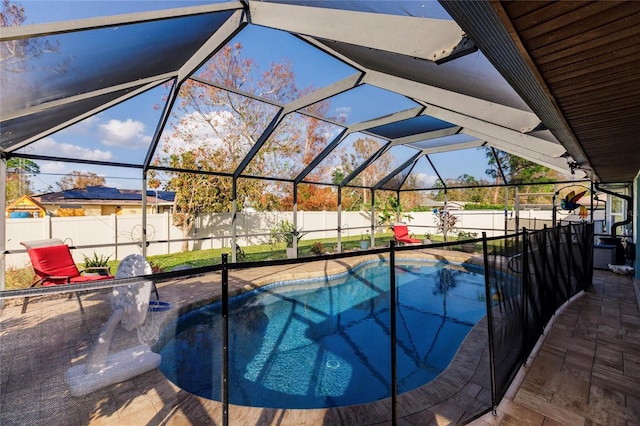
<point>150,83</point>
<point>421,137</point>
<point>391,33</point>
<point>39,30</point>
<point>516,148</point>
<point>156,79</point>
<point>483,119</point>
<point>387,119</point>
<point>232,25</point>
<point>478,128</point>
<point>453,147</point>
<point>486,111</point>
<point>323,93</point>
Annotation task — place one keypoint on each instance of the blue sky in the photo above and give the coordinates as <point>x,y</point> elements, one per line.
<point>123,133</point>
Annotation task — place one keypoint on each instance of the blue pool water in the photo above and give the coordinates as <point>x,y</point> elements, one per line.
<point>326,343</point>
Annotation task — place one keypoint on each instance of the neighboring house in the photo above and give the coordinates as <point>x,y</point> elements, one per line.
<point>25,207</point>
<point>450,205</point>
<point>455,205</point>
<point>102,200</point>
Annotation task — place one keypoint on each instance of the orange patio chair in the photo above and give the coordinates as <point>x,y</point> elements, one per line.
<point>401,234</point>
<point>53,265</point>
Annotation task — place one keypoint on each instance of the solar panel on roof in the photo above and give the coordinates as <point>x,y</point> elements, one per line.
<point>99,193</point>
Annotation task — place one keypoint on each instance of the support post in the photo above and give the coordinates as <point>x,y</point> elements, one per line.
<point>373,217</point>
<point>591,191</point>
<point>525,294</point>
<point>544,252</point>
<point>295,219</point>
<point>225,339</point>
<point>506,211</point>
<point>144,214</point>
<point>114,225</point>
<point>554,207</point>
<point>555,254</point>
<point>517,208</point>
<point>234,219</point>
<point>3,227</point>
<point>339,220</point>
<point>392,326</point>
<point>487,290</point>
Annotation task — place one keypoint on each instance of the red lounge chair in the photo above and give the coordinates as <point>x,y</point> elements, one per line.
<point>401,234</point>
<point>53,265</point>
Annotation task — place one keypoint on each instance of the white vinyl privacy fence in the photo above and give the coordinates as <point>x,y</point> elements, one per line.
<point>119,236</point>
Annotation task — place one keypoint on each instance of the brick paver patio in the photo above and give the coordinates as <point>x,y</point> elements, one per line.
<point>586,372</point>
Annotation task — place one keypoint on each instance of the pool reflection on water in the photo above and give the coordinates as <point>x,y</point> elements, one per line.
<point>325,343</point>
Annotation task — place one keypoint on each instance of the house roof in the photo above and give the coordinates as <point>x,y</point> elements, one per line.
<point>102,195</point>
<point>25,202</point>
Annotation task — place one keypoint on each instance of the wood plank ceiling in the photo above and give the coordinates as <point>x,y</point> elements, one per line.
<point>586,58</point>
<point>589,56</point>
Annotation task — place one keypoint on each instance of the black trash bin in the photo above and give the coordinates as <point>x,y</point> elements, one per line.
<point>615,241</point>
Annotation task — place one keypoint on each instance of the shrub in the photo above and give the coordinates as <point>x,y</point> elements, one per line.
<point>96,261</point>
<point>17,278</point>
<point>464,235</point>
<point>155,267</point>
<point>240,255</point>
<point>284,232</point>
<point>318,249</point>
<point>483,206</point>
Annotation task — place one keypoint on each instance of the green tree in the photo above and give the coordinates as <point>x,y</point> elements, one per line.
<point>390,210</point>
<point>412,198</point>
<point>354,198</point>
<point>467,188</point>
<point>215,129</point>
<point>19,174</point>
<point>77,180</point>
<point>517,170</point>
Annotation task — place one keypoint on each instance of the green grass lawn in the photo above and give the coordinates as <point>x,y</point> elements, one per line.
<point>17,278</point>
<point>256,253</point>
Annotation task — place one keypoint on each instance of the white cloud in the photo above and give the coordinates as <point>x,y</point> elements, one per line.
<point>343,112</point>
<point>126,134</point>
<point>50,172</point>
<point>424,179</point>
<point>49,146</point>
<point>53,167</point>
<point>197,129</point>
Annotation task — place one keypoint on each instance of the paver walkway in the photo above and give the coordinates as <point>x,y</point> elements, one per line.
<point>587,371</point>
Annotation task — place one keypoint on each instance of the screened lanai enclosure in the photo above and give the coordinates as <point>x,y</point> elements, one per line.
<point>257,106</point>
<point>502,133</point>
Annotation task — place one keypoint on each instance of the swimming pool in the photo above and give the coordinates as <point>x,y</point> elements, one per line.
<point>325,343</point>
